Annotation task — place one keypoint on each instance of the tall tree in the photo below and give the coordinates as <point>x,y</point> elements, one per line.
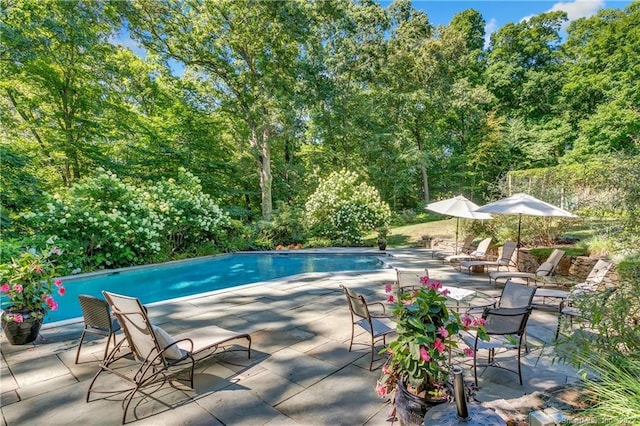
<point>53,55</point>
<point>245,55</point>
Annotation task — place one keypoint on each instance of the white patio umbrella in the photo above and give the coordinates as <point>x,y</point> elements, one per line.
<point>458,207</point>
<point>523,204</point>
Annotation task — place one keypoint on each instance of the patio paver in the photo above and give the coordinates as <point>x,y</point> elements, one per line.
<point>300,371</point>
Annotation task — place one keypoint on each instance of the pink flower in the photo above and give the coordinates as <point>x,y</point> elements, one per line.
<point>18,318</point>
<point>468,352</point>
<point>18,288</point>
<point>381,390</point>
<point>62,291</point>
<point>439,345</point>
<point>435,285</point>
<point>424,280</point>
<point>38,269</point>
<point>445,292</point>
<point>389,351</point>
<point>479,321</point>
<point>386,369</point>
<point>58,283</point>
<point>57,251</point>
<point>390,299</point>
<point>443,332</point>
<point>424,355</point>
<point>5,288</point>
<point>51,303</point>
<point>467,320</point>
<point>388,288</point>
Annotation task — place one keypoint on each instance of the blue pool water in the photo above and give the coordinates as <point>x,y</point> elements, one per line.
<point>169,281</point>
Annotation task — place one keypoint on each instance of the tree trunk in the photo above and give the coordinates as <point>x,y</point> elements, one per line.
<point>259,142</point>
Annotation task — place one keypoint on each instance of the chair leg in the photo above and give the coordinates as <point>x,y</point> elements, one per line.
<point>352,332</point>
<point>373,346</point>
<point>80,345</point>
<point>519,367</point>
<point>106,349</point>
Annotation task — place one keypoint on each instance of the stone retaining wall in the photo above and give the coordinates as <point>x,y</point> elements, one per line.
<point>577,267</point>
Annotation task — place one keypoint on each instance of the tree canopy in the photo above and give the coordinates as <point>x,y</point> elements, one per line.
<point>263,100</point>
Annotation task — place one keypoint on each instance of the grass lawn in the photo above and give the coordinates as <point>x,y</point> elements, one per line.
<point>411,235</point>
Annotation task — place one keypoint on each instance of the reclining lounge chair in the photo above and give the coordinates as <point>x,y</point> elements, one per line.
<point>505,259</point>
<point>479,254</point>
<point>590,285</point>
<point>157,355</point>
<point>546,269</point>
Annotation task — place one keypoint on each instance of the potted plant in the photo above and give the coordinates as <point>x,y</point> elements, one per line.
<point>418,366</point>
<point>383,232</point>
<point>27,289</point>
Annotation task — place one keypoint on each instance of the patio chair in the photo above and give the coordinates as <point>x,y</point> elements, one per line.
<point>409,279</point>
<point>97,320</point>
<point>506,330</point>
<point>157,356</point>
<point>513,295</point>
<point>480,253</point>
<point>377,326</point>
<point>546,269</point>
<point>570,311</point>
<point>506,259</point>
<point>590,285</point>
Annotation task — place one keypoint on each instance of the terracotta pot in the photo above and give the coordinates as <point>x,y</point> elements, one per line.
<point>21,333</point>
<point>411,409</point>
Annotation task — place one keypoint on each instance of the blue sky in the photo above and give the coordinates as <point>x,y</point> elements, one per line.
<point>497,13</point>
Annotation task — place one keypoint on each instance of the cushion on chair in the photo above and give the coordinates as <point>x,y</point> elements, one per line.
<point>164,340</point>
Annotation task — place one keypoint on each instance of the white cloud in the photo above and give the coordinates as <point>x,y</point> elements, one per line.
<point>575,9</point>
<point>579,8</point>
<point>490,28</point>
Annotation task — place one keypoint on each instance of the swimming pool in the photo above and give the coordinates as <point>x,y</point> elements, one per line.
<point>185,278</point>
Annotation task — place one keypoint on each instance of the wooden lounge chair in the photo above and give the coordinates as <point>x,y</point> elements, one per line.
<point>506,259</point>
<point>157,356</point>
<point>546,269</point>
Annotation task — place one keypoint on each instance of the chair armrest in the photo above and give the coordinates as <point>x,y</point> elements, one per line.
<point>376,315</point>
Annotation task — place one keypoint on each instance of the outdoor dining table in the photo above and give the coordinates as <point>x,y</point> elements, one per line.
<point>465,300</point>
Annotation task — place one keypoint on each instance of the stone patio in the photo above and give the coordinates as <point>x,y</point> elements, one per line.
<point>300,371</point>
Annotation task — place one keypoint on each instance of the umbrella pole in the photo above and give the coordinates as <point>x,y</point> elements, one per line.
<point>456,247</point>
<point>518,246</point>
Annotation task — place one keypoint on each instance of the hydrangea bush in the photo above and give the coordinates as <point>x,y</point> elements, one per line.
<point>343,209</point>
<point>104,222</point>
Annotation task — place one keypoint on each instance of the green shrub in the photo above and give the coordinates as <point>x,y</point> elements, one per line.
<point>103,222</point>
<point>343,209</point>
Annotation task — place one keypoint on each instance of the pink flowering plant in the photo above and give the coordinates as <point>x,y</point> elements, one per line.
<point>426,333</point>
<point>28,285</point>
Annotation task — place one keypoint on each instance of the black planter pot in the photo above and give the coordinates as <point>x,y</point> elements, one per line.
<point>411,409</point>
<point>382,245</point>
<point>21,333</point>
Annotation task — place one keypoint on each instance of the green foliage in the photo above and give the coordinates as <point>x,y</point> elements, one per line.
<point>344,209</point>
<point>426,329</point>
<point>612,326</point>
<point>104,222</point>
<point>28,283</point>
<point>614,392</point>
